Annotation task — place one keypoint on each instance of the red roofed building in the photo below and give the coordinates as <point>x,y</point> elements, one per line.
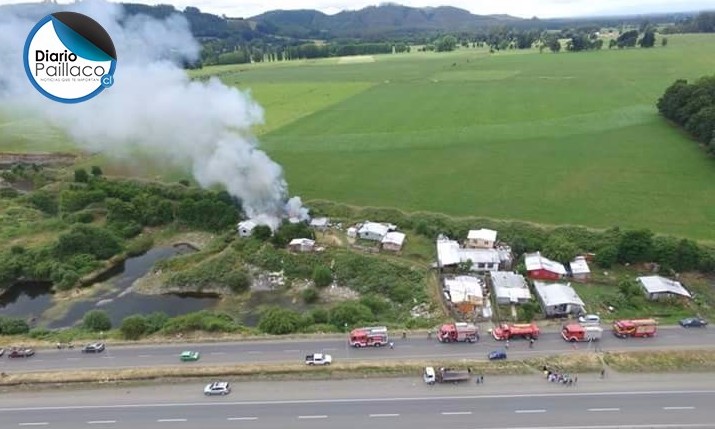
<point>541,268</point>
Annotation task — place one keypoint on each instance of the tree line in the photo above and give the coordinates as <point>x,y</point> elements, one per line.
<point>692,107</point>
<point>703,22</point>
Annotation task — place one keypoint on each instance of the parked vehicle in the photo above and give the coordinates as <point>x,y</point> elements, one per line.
<point>497,355</point>
<point>590,319</point>
<point>458,332</point>
<point>217,388</point>
<point>693,322</point>
<point>370,336</point>
<point>93,348</point>
<point>189,356</point>
<point>318,359</point>
<point>445,375</point>
<point>61,346</point>
<point>21,353</point>
<point>574,332</point>
<point>635,328</point>
<point>509,331</point>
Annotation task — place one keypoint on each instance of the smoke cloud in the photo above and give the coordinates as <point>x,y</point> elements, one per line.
<point>154,108</point>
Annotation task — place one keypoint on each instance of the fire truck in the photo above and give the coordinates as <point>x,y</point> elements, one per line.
<point>458,332</point>
<point>509,331</point>
<point>574,332</point>
<point>635,328</point>
<point>375,336</point>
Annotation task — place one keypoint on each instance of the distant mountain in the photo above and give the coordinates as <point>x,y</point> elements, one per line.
<point>385,19</point>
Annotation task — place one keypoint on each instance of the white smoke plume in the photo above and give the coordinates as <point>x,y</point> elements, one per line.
<point>154,108</point>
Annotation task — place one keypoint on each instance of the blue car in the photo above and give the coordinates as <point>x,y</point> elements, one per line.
<point>497,355</point>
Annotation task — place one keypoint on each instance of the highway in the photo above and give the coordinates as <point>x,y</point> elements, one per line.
<point>281,351</point>
<point>629,401</point>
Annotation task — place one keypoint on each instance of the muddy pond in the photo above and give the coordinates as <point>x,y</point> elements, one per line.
<point>35,301</point>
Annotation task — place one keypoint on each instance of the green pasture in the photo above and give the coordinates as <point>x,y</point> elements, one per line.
<point>550,138</point>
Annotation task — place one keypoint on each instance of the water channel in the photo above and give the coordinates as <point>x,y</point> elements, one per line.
<point>35,301</point>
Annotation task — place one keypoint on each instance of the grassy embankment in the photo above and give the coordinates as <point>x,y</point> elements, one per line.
<point>650,362</point>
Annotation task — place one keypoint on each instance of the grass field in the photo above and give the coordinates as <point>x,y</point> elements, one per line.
<point>554,139</point>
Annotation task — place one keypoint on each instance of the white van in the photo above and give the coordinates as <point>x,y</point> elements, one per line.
<point>429,376</point>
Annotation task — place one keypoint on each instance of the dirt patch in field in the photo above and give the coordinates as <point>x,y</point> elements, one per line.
<point>8,159</point>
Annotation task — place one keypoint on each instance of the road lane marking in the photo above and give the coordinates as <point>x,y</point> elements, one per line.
<point>170,420</point>
<point>329,350</point>
<point>604,409</point>
<point>358,400</point>
<point>678,408</point>
<point>241,418</point>
<point>254,352</point>
<point>145,355</point>
<point>384,415</point>
<point>529,411</point>
<point>107,357</point>
<point>217,353</point>
<point>73,358</point>
<point>312,417</point>
<point>101,422</point>
<point>650,426</point>
<point>35,424</point>
<point>456,413</point>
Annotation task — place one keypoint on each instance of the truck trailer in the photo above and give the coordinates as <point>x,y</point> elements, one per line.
<point>458,332</point>
<point>445,375</point>
<point>375,336</point>
<point>509,331</point>
<point>635,328</point>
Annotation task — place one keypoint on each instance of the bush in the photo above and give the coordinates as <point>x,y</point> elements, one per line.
<point>262,232</point>
<point>310,295</point>
<point>320,316</point>
<point>96,321</point>
<point>133,327</point>
<point>13,326</point>
<point>88,239</point>
<point>155,322</point>
<point>322,276</point>
<point>279,321</point>
<point>201,321</point>
<point>350,313</point>
<point>80,175</point>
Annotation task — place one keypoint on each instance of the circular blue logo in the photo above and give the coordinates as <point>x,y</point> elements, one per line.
<point>69,57</point>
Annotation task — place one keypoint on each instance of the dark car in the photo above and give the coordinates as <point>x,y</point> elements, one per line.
<point>93,348</point>
<point>497,355</point>
<point>693,322</point>
<point>21,353</point>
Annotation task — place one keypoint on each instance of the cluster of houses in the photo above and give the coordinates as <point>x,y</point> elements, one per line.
<point>482,266</point>
<point>384,233</point>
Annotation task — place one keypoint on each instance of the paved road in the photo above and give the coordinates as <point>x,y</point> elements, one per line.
<point>295,351</point>
<point>663,402</point>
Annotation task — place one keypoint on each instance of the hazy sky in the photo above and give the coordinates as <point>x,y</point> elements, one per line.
<point>521,8</point>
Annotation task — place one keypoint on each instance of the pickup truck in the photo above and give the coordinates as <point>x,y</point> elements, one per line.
<point>318,359</point>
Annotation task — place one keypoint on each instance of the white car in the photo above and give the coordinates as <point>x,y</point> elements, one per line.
<point>217,388</point>
<point>318,359</point>
<point>590,319</point>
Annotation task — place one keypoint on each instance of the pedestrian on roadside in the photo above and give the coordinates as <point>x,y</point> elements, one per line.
<point>506,345</point>
<point>392,345</point>
<point>603,373</point>
<point>531,343</point>
<point>575,379</point>
<point>481,379</point>
<point>404,335</point>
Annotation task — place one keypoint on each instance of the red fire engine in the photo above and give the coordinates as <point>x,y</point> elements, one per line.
<point>524,330</point>
<point>458,332</point>
<point>375,336</point>
<point>635,328</point>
